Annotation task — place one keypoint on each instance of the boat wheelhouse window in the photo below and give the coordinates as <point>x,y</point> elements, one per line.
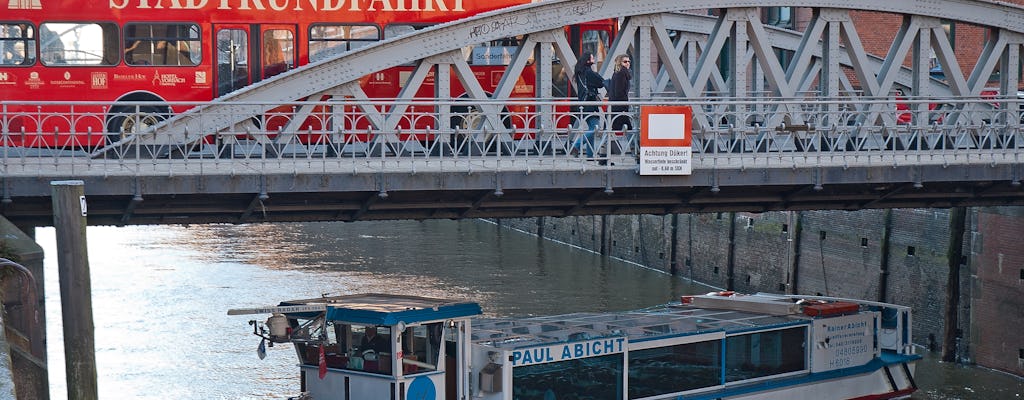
<point>17,44</point>
<point>421,348</point>
<point>327,40</point>
<point>370,349</point>
<point>672,369</point>
<point>162,44</point>
<point>345,347</point>
<point>79,43</point>
<point>331,336</point>
<point>594,378</point>
<point>767,353</point>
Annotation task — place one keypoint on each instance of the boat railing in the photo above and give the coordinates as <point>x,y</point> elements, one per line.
<point>894,334</point>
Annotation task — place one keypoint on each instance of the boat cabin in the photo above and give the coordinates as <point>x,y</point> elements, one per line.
<point>704,347</point>
<point>375,346</point>
<point>719,345</point>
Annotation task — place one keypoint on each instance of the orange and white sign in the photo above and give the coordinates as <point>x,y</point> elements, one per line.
<point>665,140</point>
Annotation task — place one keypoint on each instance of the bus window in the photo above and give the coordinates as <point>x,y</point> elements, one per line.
<point>595,42</point>
<point>74,43</point>
<point>326,40</point>
<point>395,30</point>
<point>162,44</point>
<point>232,62</point>
<point>278,52</point>
<point>17,44</point>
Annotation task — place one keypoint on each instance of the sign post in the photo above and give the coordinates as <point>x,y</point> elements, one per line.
<point>665,140</point>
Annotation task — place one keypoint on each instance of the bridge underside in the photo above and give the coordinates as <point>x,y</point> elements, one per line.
<point>515,194</point>
<point>821,131</point>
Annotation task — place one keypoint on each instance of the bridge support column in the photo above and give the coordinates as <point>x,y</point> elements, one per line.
<point>605,238</point>
<point>730,279</point>
<point>798,228</point>
<point>673,259</point>
<point>957,227</point>
<point>69,212</point>
<point>883,279</point>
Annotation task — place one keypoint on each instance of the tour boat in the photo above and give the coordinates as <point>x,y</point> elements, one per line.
<point>716,346</point>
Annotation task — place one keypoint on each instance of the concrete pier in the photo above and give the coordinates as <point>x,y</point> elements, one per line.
<point>24,321</point>
<point>6,377</point>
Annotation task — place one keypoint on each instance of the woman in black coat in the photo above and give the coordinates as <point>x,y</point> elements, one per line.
<point>587,84</point>
<point>620,92</point>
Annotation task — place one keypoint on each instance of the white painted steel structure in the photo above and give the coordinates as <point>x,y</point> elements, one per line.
<point>767,136</point>
<point>686,50</point>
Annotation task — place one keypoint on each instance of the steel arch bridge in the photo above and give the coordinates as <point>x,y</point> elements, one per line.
<point>820,132</point>
<point>687,51</point>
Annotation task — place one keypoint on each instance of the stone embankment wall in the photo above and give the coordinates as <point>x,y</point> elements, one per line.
<point>898,256</point>
<point>24,328</point>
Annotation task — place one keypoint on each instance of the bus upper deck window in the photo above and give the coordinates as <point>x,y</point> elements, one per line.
<point>395,30</point>
<point>326,40</point>
<point>17,45</point>
<point>78,43</point>
<point>162,44</point>
<point>596,42</point>
<point>278,52</point>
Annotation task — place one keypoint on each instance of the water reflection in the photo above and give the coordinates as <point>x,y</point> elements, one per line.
<point>160,294</point>
<point>949,381</point>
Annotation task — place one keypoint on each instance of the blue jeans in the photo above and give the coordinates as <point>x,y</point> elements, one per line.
<point>587,140</point>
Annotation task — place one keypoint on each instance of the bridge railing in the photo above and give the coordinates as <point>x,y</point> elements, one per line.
<point>731,133</point>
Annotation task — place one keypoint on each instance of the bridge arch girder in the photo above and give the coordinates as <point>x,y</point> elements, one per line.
<point>688,47</point>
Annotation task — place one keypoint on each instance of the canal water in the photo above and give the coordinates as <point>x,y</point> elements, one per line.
<point>161,293</point>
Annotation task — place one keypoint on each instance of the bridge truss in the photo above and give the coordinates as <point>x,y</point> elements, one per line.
<point>686,53</point>
<point>821,131</point>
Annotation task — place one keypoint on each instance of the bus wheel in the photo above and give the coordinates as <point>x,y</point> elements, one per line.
<point>125,121</point>
<point>468,119</point>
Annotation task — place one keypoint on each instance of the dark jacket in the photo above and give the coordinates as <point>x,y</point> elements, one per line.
<point>619,91</point>
<point>620,85</point>
<point>587,84</point>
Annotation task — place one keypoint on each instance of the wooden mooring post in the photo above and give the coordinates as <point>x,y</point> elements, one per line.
<point>69,211</point>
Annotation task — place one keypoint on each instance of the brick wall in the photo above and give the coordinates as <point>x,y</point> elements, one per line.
<point>878,40</point>
<point>998,298</point>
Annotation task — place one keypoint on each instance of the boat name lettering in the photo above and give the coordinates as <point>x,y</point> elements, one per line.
<point>848,326</point>
<point>567,351</point>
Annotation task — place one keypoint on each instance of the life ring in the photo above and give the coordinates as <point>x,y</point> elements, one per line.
<point>725,293</point>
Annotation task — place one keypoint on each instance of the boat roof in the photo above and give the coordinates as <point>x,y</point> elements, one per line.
<point>388,309</point>
<point>659,322</point>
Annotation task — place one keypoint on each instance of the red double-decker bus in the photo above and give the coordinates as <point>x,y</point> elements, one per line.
<point>114,54</point>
